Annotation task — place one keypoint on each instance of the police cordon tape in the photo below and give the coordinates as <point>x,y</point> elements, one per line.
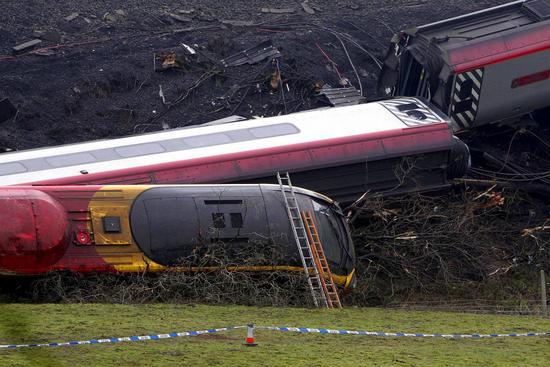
<point>250,335</point>
<point>124,339</point>
<point>380,333</point>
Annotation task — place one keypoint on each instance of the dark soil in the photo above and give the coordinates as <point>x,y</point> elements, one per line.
<point>100,83</point>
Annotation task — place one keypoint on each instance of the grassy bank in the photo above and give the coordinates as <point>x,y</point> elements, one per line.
<point>47,323</point>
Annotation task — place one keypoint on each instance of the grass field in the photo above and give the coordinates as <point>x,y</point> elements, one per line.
<point>48,323</point>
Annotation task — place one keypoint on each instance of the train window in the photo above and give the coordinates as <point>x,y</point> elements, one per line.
<point>419,115</point>
<point>236,220</point>
<point>139,149</point>
<point>207,140</point>
<point>331,232</point>
<point>11,168</point>
<point>70,159</point>
<point>407,107</point>
<point>218,220</point>
<point>273,130</point>
<point>111,224</point>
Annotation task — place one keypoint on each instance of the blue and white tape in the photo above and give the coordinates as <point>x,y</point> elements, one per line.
<point>274,328</point>
<point>124,339</point>
<point>380,333</point>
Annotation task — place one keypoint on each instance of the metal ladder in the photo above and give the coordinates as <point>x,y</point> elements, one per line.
<point>304,249</point>
<point>327,283</point>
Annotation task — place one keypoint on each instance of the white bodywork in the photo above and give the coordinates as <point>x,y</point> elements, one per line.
<point>105,155</point>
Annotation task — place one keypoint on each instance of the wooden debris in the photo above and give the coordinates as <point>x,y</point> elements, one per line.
<point>530,231</point>
<point>278,10</point>
<point>26,46</point>
<point>308,9</point>
<point>108,17</point>
<point>71,17</point>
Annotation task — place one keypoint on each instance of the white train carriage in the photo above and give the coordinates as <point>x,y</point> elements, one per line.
<point>396,145</point>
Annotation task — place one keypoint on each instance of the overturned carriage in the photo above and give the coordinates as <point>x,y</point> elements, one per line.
<point>490,66</point>
<point>157,228</point>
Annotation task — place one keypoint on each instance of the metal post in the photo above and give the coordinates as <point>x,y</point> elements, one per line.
<point>543,294</point>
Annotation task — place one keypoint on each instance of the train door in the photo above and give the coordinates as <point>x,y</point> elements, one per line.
<point>414,79</point>
<point>235,224</point>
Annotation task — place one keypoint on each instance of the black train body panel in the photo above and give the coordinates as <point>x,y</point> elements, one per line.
<point>175,226</point>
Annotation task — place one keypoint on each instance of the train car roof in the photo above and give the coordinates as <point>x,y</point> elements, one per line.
<point>203,141</point>
<point>214,187</point>
<point>490,35</point>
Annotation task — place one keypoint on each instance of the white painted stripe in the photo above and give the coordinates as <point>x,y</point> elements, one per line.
<point>463,120</point>
<point>479,73</point>
<point>476,82</point>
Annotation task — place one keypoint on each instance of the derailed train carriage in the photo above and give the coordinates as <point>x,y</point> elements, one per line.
<point>396,146</point>
<point>155,228</point>
<point>490,66</point>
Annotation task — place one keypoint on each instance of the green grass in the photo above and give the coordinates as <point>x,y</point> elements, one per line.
<point>47,323</point>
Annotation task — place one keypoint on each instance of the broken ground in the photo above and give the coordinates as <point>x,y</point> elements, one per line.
<point>100,81</point>
<point>92,76</point>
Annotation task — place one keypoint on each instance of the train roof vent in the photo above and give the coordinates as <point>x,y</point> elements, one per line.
<point>540,9</point>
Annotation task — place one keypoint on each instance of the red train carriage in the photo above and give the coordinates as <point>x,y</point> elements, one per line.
<point>138,228</point>
<point>480,68</point>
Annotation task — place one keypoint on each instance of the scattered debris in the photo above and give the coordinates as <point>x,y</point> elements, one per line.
<point>186,11</point>
<point>71,17</point>
<point>238,23</point>
<point>205,16</point>
<point>25,46</point>
<point>7,110</point>
<point>354,7</point>
<point>278,10</point>
<point>180,18</point>
<point>252,55</point>
<point>189,49</point>
<point>318,85</point>
<point>50,36</point>
<point>161,94</point>
<point>165,60</point>
<point>275,79</point>
<point>341,96</point>
<point>108,17</point>
<point>307,8</point>
<point>120,12</point>
<point>43,52</point>
<point>531,231</point>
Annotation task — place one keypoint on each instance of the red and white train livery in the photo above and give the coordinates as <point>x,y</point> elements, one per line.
<point>400,145</point>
